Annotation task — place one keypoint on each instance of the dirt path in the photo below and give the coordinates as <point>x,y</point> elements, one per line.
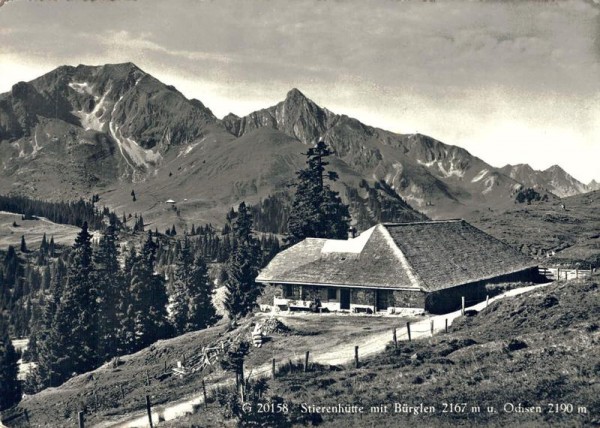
<point>368,346</point>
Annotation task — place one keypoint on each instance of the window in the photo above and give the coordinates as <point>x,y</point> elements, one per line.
<point>288,291</point>
<point>331,293</point>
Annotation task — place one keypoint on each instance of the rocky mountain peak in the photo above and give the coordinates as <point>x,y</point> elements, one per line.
<point>593,185</point>
<point>294,94</point>
<point>296,116</point>
<point>555,169</point>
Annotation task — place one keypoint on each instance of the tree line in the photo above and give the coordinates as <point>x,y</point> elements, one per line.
<point>99,301</point>
<point>73,213</point>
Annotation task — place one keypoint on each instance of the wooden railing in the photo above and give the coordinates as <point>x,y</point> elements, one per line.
<point>565,273</point>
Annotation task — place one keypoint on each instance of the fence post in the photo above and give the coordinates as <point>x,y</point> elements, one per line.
<point>149,411</point>
<point>432,327</point>
<point>487,300</point>
<point>80,420</point>
<point>356,356</point>
<point>446,325</point>
<point>408,330</point>
<point>306,361</point>
<point>462,304</point>
<point>273,368</point>
<point>395,338</point>
<point>204,392</point>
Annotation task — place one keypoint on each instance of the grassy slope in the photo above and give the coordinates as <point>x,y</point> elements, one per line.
<point>573,233</point>
<point>33,230</point>
<point>525,350</point>
<point>57,407</point>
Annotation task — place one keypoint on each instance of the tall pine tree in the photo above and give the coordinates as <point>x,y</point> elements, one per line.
<point>242,268</point>
<point>126,332</point>
<point>71,344</point>
<point>109,284</point>
<point>317,210</point>
<point>148,298</point>
<point>191,297</point>
<point>10,388</point>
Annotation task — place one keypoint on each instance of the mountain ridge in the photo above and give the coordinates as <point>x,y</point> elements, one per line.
<point>553,179</point>
<point>110,128</point>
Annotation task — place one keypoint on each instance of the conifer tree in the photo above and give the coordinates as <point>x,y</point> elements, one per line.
<point>10,388</point>
<point>148,298</point>
<point>23,244</point>
<point>180,284</point>
<point>126,333</point>
<point>191,298</point>
<point>202,311</point>
<point>44,244</point>
<point>242,268</point>
<point>12,267</point>
<point>46,279</point>
<point>52,247</point>
<point>109,285</point>
<point>71,343</point>
<point>317,211</point>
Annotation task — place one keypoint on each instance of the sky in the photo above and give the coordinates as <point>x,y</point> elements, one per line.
<point>510,81</point>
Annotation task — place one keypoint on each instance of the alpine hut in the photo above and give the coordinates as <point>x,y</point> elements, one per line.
<point>400,267</point>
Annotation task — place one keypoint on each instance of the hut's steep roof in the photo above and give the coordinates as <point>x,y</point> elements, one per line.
<point>425,255</point>
<point>296,256</point>
<point>445,254</point>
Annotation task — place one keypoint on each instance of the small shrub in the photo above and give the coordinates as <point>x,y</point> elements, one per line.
<point>515,345</point>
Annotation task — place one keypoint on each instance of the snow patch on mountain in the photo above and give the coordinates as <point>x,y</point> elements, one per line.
<point>398,168</point>
<point>132,151</point>
<point>446,172</point>
<point>93,120</point>
<point>489,183</point>
<point>453,169</point>
<point>188,149</point>
<point>136,156</point>
<point>82,88</point>
<point>35,144</point>
<point>480,176</point>
<point>427,164</point>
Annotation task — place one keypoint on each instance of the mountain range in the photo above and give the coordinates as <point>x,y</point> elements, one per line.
<point>111,129</point>
<point>554,179</point>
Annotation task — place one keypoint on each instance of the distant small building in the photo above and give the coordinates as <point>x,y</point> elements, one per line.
<point>404,267</point>
<point>170,201</point>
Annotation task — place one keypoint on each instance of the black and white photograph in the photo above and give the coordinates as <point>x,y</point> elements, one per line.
<point>311,213</point>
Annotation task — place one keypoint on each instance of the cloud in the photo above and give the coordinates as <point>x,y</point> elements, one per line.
<point>478,74</point>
